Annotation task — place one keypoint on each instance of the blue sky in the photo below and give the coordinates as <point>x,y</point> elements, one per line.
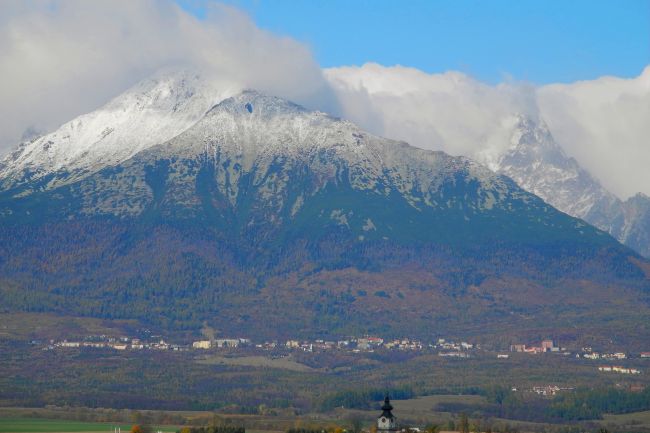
<point>536,41</point>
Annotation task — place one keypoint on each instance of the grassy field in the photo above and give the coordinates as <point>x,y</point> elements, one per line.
<point>27,326</point>
<point>427,406</point>
<point>418,410</point>
<point>636,421</point>
<point>284,363</point>
<point>410,411</point>
<point>37,425</point>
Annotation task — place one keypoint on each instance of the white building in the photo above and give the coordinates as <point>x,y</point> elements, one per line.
<point>292,344</point>
<point>66,343</point>
<point>227,342</point>
<point>202,344</point>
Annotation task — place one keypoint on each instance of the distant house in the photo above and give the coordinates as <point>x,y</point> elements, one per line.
<point>202,344</point>
<point>619,369</point>
<point>547,345</point>
<point>227,342</point>
<point>66,343</point>
<point>94,345</point>
<point>363,344</point>
<point>292,344</point>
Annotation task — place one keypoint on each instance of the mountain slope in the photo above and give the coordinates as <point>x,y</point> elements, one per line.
<point>635,232</point>
<point>151,112</point>
<point>265,217</point>
<point>538,164</point>
<point>283,155</point>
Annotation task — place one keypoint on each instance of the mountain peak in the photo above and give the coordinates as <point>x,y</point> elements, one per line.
<point>250,135</point>
<point>252,102</point>
<point>534,136</point>
<point>539,165</point>
<point>151,112</point>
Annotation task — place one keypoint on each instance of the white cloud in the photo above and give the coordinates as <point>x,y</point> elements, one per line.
<point>59,59</point>
<point>604,123</point>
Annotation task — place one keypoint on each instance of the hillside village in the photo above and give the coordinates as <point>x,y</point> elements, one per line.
<point>351,344</point>
<point>441,347</point>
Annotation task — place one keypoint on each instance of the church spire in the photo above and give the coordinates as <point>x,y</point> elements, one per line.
<point>386,422</point>
<point>387,407</point>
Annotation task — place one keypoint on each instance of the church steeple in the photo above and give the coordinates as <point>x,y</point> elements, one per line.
<point>386,421</point>
<point>387,408</point>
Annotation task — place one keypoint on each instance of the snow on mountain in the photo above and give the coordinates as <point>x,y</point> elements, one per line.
<point>635,232</point>
<point>151,112</point>
<point>250,130</point>
<point>271,141</point>
<point>539,165</point>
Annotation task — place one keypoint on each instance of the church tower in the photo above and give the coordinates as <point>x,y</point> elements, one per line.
<point>386,423</point>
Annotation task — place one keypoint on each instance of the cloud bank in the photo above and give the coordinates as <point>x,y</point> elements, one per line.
<point>603,123</point>
<point>59,59</point>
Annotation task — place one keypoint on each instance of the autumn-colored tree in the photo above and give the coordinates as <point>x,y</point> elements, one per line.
<point>356,424</point>
<point>185,430</point>
<point>216,421</point>
<point>432,428</point>
<point>136,429</point>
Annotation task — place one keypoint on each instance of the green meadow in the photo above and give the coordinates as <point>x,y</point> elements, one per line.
<point>38,425</point>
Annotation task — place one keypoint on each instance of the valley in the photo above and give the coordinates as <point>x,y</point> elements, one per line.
<point>286,380</point>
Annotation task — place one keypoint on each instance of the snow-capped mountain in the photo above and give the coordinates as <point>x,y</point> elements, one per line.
<point>539,165</point>
<point>270,143</point>
<point>247,135</point>
<point>159,109</point>
<point>251,212</point>
<point>151,112</point>
<point>635,232</point>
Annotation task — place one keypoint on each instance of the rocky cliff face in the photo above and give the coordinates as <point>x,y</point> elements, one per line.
<point>538,164</point>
